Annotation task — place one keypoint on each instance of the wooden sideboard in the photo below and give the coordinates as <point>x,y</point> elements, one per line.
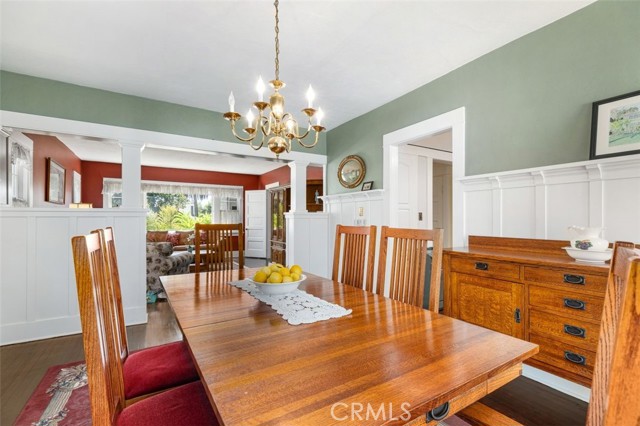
<point>533,290</point>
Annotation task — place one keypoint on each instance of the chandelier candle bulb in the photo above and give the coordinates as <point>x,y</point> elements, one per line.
<point>260,87</point>
<point>232,102</point>
<point>310,96</point>
<point>250,119</point>
<point>319,117</point>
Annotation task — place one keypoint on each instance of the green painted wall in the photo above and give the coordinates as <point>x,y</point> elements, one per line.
<point>32,95</point>
<point>527,103</point>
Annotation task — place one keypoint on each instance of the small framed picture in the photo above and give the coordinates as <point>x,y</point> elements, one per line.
<point>77,187</point>
<point>55,182</point>
<point>367,185</point>
<point>615,126</point>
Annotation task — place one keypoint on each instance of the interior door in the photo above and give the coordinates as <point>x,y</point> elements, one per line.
<point>407,207</point>
<point>255,214</point>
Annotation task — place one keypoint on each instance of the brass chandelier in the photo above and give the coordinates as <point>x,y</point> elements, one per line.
<point>278,126</point>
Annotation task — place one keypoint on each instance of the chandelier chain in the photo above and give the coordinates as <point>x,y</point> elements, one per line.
<point>277,42</point>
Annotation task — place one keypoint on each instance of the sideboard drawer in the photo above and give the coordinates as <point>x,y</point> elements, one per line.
<point>568,357</point>
<point>566,279</point>
<point>486,268</point>
<point>574,331</point>
<point>566,303</point>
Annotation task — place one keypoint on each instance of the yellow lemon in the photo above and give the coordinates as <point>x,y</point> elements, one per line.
<point>286,279</point>
<point>266,270</point>
<point>296,269</point>
<point>274,267</point>
<point>275,278</point>
<point>295,277</point>
<point>284,272</point>
<point>260,277</point>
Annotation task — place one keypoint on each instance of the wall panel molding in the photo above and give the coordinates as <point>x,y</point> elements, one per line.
<point>542,202</point>
<point>38,297</point>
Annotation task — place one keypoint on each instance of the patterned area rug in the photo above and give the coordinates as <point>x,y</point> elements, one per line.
<point>60,399</point>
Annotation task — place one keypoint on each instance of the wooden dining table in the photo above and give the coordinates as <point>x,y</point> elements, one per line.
<point>385,363</point>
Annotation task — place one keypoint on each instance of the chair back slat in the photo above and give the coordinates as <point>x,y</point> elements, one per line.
<point>104,369</point>
<point>115,293</point>
<point>356,246</point>
<point>408,265</point>
<point>617,367</point>
<point>214,246</point>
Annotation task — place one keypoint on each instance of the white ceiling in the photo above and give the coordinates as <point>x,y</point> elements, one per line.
<point>357,54</point>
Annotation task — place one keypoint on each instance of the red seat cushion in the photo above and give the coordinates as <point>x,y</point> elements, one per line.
<point>157,368</point>
<point>184,405</point>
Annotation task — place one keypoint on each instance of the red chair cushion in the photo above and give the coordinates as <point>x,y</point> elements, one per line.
<point>157,368</point>
<point>184,405</point>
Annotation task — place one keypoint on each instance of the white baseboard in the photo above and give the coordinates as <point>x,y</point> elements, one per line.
<point>558,383</point>
<point>64,326</point>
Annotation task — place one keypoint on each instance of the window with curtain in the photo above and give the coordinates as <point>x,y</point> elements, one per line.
<point>178,206</point>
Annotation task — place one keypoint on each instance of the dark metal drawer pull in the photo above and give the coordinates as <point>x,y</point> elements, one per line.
<point>482,266</point>
<point>574,304</point>
<point>575,358</point>
<point>438,413</point>
<point>573,279</point>
<point>574,331</point>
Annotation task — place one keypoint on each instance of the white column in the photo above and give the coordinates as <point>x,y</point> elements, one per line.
<point>298,186</point>
<point>131,173</point>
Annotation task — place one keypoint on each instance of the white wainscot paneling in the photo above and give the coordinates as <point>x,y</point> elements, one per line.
<point>542,202</point>
<point>307,241</point>
<point>622,218</point>
<point>37,288</point>
<point>519,218</point>
<point>567,204</point>
<point>478,209</point>
<point>362,208</point>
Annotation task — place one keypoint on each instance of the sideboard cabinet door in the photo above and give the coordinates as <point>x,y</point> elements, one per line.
<point>493,304</point>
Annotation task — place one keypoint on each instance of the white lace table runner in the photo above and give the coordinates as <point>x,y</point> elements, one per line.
<point>297,307</point>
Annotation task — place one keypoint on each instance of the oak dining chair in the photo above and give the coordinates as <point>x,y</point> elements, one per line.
<point>408,265</point>
<point>616,373</point>
<point>354,249</point>
<point>186,404</point>
<point>214,246</point>
<point>148,370</point>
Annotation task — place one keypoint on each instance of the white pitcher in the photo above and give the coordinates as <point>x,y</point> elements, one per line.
<point>587,238</point>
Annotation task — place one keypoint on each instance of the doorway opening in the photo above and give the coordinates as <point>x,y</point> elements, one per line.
<point>404,151</point>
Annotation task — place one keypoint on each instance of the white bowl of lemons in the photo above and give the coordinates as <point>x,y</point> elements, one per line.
<point>278,279</point>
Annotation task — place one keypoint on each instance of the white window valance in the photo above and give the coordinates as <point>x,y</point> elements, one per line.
<point>114,186</point>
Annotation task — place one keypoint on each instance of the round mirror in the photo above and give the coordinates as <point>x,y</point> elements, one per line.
<point>351,171</point>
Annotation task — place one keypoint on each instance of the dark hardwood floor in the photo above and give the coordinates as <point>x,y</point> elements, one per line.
<point>532,403</point>
<point>23,365</point>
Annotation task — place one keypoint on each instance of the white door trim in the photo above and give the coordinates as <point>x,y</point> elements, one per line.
<point>454,120</point>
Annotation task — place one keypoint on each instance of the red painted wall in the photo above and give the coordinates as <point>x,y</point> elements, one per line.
<point>94,172</point>
<point>282,175</point>
<point>50,146</point>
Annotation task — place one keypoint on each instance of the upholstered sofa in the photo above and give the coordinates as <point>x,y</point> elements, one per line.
<point>178,239</point>
<point>162,260</point>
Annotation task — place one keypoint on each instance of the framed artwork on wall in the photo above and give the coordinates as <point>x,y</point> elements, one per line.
<point>20,170</point>
<point>55,182</point>
<point>4,171</point>
<point>615,126</point>
<point>77,187</point>
<point>367,186</point>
